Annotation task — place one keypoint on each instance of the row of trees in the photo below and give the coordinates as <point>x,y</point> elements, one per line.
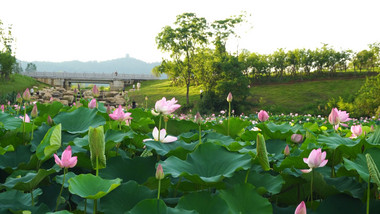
<point>7,56</point>
<point>302,61</point>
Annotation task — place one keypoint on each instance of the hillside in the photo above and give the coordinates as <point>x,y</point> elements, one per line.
<point>126,65</point>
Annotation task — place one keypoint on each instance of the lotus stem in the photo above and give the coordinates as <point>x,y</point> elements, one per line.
<point>228,120</point>
<point>200,134</point>
<point>60,192</point>
<point>159,128</point>
<point>159,189</point>
<point>311,186</point>
<point>32,130</point>
<point>246,176</point>
<point>97,173</point>
<point>368,193</point>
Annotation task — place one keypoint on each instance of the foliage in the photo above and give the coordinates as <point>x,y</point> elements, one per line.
<point>236,173</point>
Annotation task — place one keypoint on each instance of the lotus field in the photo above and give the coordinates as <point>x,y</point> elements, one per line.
<point>89,158</point>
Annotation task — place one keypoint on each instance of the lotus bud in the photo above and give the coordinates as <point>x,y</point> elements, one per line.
<point>296,138</point>
<point>229,97</point>
<point>19,98</point>
<point>198,118</point>
<point>50,121</point>
<point>34,112</point>
<point>75,91</point>
<point>95,91</point>
<point>109,110</point>
<point>301,208</point>
<point>92,104</point>
<point>146,97</point>
<point>2,108</point>
<point>262,153</point>
<point>97,147</point>
<point>166,118</point>
<point>159,172</point>
<point>286,150</point>
<point>263,116</point>
<point>26,95</point>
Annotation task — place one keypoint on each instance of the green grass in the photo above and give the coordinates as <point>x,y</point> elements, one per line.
<point>299,97</point>
<point>18,83</point>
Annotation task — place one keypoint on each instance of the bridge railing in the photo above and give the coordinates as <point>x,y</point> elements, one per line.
<point>90,76</point>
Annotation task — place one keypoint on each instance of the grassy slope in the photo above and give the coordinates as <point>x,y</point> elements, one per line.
<point>17,83</point>
<point>300,97</point>
<point>303,97</point>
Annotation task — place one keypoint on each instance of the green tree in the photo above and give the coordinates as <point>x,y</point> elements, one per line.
<point>31,67</point>
<point>182,42</point>
<point>7,58</point>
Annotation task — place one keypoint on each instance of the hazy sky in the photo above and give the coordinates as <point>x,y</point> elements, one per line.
<point>93,30</point>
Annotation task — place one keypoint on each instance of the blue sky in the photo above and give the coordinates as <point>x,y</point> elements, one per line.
<point>93,30</point>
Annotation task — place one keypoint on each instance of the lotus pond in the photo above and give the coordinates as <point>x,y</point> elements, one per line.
<point>215,165</point>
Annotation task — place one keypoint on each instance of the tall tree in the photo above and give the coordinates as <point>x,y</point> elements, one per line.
<point>7,58</point>
<point>182,42</point>
<point>31,67</point>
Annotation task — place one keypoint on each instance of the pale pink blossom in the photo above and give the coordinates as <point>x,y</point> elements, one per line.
<point>166,107</point>
<point>2,108</point>
<point>163,139</point>
<point>263,116</point>
<point>119,115</point>
<point>286,150</point>
<point>66,161</point>
<point>356,131</point>
<point>338,117</point>
<point>26,119</point>
<point>316,159</point>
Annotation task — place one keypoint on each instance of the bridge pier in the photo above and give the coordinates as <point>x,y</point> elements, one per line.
<point>117,85</point>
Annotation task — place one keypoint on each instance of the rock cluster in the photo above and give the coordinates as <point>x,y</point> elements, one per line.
<point>67,97</point>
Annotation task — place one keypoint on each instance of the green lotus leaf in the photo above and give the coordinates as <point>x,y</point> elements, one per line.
<point>13,159</point>
<point>47,109</point>
<point>79,120</point>
<point>341,204</point>
<point>59,178</point>
<point>29,181</point>
<point>280,132</point>
<point>237,127</point>
<point>116,135</point>
<point>60,212</point>
<point>90,186</point>
<point>243,198</point>
<point>210,163</point>
<point>346,145</point>
<point>9,122</point>
<point>16,199</point>
<point>177,127</point>
<point>203,203</point>
<point>50,143</point>
<point>143,125</point>
<point>153,206</point>
<point>118,201</point>
<point>178,148</point>
<point>8,148</point>
<point>360,163</point>
<point>138,169</point>
<point>348,185</point>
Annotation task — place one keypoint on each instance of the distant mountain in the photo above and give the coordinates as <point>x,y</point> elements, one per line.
<point>127,65</point>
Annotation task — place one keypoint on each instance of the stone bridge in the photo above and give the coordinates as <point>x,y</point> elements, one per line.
<point>65,79</point>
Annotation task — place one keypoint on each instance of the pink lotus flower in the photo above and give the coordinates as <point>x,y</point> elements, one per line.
<point>316,159</point>
<point>95,91</point>
<point>296,138</point>
<point>301,208</point>
<point>336,118</point>
<point>119,115</point>
<point>26,95</point>
<point>263,116</point>
<point>163,139</point>
<point>2,108</point>
<point>26,119</point>
<point>34,112</point>
<point>92,104</point>
<point>166,107</point>
<point>159,172</point>
<point>18,98</point>
<point>356,131</point>
<point>66,160</point>
<point>17,107</point>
